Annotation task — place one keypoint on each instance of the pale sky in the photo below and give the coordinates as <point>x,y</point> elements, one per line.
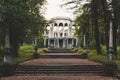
<point>54,9</point>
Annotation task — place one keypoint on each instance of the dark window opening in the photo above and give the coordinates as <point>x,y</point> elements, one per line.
<point>55,24</point>
<point>61,24</point>
<point>66,24</point>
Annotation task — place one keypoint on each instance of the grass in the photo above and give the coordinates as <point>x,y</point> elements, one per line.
<point>23,57</point>
<point>26,53</point>
<point>92,55</point>
<point>26,49</point>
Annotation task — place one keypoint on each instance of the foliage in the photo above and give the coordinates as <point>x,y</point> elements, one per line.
<point>26,53</point>
<point>92,55</point>
<point>93,17</point>
<point>118,50</point>
<point>22,17</point>
<point>104,49</point>
<point>40,41</point>
<point>26,49</point>
<point>29,49</point>
<point>22,57</point>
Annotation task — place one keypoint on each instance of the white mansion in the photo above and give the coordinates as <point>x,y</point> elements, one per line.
<point>60,33</point>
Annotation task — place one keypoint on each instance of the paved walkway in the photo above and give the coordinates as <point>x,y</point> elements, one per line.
<point>59,61</point>
<point>58,77</point>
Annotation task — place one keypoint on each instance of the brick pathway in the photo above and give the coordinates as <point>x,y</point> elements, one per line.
<point>59,61</point>
<point>58,77</point>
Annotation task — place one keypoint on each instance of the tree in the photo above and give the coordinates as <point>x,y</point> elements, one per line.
<point>100,20</point>
<point>21,15</point>
<point>95,24</point>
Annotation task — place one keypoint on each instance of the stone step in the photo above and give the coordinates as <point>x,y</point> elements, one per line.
<point>60,50</point>
<point>70,69</point>
<point>60,55</point>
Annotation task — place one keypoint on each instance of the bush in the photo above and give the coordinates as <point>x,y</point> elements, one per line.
<point>27,48</point>
<point>23,57</point>
<point>118,50</point>
<point>80,51</point>
<point>104,49</point>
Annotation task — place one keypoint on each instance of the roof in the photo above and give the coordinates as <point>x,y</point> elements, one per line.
<point>60,18</point>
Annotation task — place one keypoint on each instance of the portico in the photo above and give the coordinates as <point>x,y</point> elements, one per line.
<point>61,42</point>
<point>60,33</point>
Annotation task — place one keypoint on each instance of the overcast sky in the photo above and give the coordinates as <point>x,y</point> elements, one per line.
<point>54,9</point>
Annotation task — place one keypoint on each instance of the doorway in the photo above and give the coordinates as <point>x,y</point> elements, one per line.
<point>61,43</point>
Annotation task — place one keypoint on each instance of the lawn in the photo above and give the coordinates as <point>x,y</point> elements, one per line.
<point>92,55</point>
<point>25,53</point>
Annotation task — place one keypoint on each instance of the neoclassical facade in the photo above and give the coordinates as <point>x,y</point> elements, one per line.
<point>60,33</point>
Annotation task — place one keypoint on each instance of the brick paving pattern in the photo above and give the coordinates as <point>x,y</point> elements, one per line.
<point>59,61</point>
<point>57,77</point>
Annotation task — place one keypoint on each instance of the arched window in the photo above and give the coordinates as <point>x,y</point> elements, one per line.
<point>60,24</point>
<point>73,25</point>
<point>66,24</point>
<point>55,24</point>
<point>61,34</point>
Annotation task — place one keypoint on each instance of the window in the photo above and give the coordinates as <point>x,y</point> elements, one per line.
<point>66,24</point>
<point>65,34</point>
<point>55,24</point>
<point>61,34</point>
<point>61,24</point>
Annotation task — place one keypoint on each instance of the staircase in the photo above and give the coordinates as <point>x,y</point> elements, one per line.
<point>60,50</point>
<point>60,55</point>
<point>59,69</point>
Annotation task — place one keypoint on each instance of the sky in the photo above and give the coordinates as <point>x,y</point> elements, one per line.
<point>54,9</point>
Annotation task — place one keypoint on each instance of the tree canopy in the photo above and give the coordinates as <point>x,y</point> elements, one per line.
<point>93,17</point>
<point>22,17</point>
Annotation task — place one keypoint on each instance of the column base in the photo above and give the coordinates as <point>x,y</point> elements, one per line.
<point>7,56</point>
<point>110,68</point>
<point>35,54</point>
<point>84,54</point>
<point>7,69</point>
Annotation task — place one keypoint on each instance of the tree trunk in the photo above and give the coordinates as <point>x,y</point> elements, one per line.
<point>95,23</point>
<point>106,23</point>
<point>115,24</point>
<point>14,42</point>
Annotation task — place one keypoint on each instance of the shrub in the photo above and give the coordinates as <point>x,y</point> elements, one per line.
<point>23,57</point>
<point>118,50</point>
<point>104,49</point>
<point>27,48</point>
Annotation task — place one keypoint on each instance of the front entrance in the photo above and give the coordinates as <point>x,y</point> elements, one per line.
<point>61,43</point>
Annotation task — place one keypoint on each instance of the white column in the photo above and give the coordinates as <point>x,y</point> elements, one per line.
<point>67,43</point>
<point>70,31</point>
<point>72,42</point>
<point>84,43</point>
<point>111,51</point>
<point>63,43</point>
<point>110,55</point>
<point>51,32</point>
<point>7,57</point>
<point>63,33</point>
<point>58,42</point>
<point>76,42</point>
<point>45,42</point>
<point>54,42</point>
<point>35,40</point>
<point>48,42</point>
